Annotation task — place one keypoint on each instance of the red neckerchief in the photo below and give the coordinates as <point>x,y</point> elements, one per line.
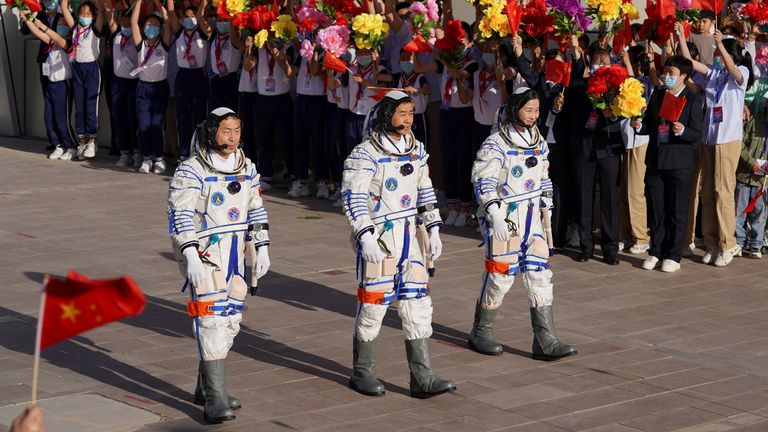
<point>271,63</point>
<point>123,42</point>
<point>189,38</point>
<point>220,41</point>
<point>79,36</point>
<point>486,81</point>
<point>447,91</point>
<point>410,81</point>
<point>364,72</point>
<point>150,51</point>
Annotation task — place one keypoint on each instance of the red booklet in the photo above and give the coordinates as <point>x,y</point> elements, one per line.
<point>671,107</point>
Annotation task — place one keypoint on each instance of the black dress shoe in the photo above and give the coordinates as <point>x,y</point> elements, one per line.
<point>584,257</point>
<point>611,260</point>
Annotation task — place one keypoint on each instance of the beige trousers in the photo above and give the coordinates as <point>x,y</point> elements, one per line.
<point>718,207</point>
<point>633,220</point>
<point>693,204</point>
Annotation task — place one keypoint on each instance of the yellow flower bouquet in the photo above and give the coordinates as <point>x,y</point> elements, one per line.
<point>369,31</point>
<point>630,101</point>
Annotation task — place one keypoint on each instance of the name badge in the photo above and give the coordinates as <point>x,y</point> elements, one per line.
<point>592,121</point>
<point>551,120</point>
<point>46,69</point>
<point>663,133</point>
<point>192,62</point>
<point>717,114</point>
<point>135,72</point>
<point>270,84</point>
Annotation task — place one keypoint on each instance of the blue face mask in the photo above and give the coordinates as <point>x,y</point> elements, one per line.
<point>51,5</point>
<point>62,30</point>
<point>718,64</point>
<point>222,27</point>
<point>85,22</point>
<point>152,31</point>
<point>489,59</point>
<point>189,23</point>
<point>594,68</point>
<point>126,31</point>
<point>670,82</point>
<point>406,66</point>
<point>364,60</point>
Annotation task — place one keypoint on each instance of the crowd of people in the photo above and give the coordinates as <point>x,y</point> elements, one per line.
<point>649,183</point>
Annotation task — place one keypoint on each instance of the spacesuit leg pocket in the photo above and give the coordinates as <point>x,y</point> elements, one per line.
<point>416,316</point>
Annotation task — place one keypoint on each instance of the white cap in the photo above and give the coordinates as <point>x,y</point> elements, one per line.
<point>396,94</point>
<point>521,90</point>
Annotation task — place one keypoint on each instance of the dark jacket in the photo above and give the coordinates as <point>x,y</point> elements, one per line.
<point>602,142</point>
<point>753,148</point>
<point>680,151</point>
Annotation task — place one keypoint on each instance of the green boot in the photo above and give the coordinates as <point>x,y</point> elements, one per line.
<point>363,379</point>
<point>481,338</point>
<point>234,403</point>
<point>216,409</point>
<point>545,344</point>
<point>424,382</point>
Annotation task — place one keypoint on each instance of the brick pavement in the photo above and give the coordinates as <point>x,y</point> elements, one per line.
<point>658,352</point>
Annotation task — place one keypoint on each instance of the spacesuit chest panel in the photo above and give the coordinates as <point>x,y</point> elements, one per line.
<point>226,208</point>
<point>394,188</point>
<point>522,173</point>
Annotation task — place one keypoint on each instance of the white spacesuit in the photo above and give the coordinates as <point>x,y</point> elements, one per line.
<point>512,186</point>
<point>216,213</point>
<point>388,196</point>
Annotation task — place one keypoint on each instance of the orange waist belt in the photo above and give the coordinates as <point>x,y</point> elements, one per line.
<point>196,309</point>
<point>374,297</point>
<point>492,266</point>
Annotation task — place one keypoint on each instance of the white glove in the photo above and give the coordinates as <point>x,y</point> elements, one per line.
<point>372,253</point>
<point>546,202</point>
<point>195,268</point>
<point>435,244</point>
<point>498,224</point>
<point>262,262</point>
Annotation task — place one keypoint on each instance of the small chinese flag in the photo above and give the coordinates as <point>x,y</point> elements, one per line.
<point>514,15</point>
<point>665,8</point>
<point>334,63</point>
<point>380,93</point>
<point>671,107</point>
<point>555,71</point>
<point>712,5</point>
<point>417,45</point>
<point>751,206</point>
<point>77,304</point>
<point>567,74</point>
<point>623,38</point>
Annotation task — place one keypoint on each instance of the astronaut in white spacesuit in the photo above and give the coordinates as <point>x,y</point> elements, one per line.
<point>216,212</point>
<point>512,186</point>
<point>388,196</point>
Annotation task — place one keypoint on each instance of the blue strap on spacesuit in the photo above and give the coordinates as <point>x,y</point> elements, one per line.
<point>233,263</point>
<point>403,257</point>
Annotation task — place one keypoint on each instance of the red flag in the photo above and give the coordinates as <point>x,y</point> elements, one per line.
<point>665,8</point>
<point>380,93</point>
<point>334,63</point>
<point>417,45</point>
<point>671,107</point>
<point>623,37</point>
<point>567,74</point>
<point>32,5</point>
<point>711,5</point>
<point>77,304</point>
<point>514,15</point>
<point>686,28</point>
<point>555,71</point>
<point>753,201</point>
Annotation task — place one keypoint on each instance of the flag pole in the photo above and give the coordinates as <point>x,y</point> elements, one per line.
<point>38,338</point>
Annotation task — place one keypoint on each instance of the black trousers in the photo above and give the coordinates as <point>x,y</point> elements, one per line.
<point>589,171</point>
<point>668,193</point>
<point>564,193</point>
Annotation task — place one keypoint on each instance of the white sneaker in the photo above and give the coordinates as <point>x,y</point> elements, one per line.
<point>621,246</point>
<point>451,218</point>
<point>650,263</point>
<point>336,195</point>
<point>726,256</point>
<point>709,256</point>
<point>81,151</point>
<point>338,203</point>
<point>670,266</point>
<point>639,248</point>
<point>90,149</point>
<point>265,185</point>
<point>688,250</point>
<point>755,253</point>
<point>159,167</point>
<point>137,160</point>
<point>69,155</point>
<point>146,166</point>
<point>124,160</point>
<point>574,240</point>
<point>298,189</point>
<point>322,190</point>
<point>56,153</point>
<point>462,219</point>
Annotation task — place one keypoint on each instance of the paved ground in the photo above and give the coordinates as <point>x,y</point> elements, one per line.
<point>658,352</point>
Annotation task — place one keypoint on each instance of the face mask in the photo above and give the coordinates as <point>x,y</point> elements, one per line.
<point>670,82</point>
<point>51,5</point>
<point>222,27</point>
<point>126,31</point>
<point>489,59</point>
<point>85,22</point>
<point>364,60</point>
<point>718,64</point>
<point>528,54</point>
<point>594,68</point>
<point>62,30</point>
<point>152,31</point>
<point>349,55</point>
<point>406,66</point>
<point>189,23</point>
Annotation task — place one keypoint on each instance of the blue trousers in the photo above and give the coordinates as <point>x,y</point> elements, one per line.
<point>353,131</point>
<point>335,144</point>
<point>56,116</point>
<point>308,117</point>
<point>273,114</point>
<point>456,132</point>
<point>151,106</point>
<point>86,85</point>
<point>124,113</point>
<point>190,94</point>
<point>753,237</point>
<point>222,91</point>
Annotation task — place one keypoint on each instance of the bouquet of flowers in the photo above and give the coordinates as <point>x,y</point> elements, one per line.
<point>452,43</point>
<point>537,21</point>
<point>424,21</point>
<point>334,39</point>
<point>310,19</point>
<point>656,28</point>
<point>284,30</point>
<point>604,84</point>
<point>761,56</point>
<point>570,17</point>
<point>494,24</point>
<point>686,12</point>
<point>630,102</point>
<point>27,6</point>
<point>369,31</point>
<point>754,12</point>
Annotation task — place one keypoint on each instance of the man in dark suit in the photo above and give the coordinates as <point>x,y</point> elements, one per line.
<point>596,152</point>
<point>670,161</point>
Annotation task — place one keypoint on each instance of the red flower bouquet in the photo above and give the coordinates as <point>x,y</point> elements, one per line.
<point>754,12</point>
<point>452,44</point>
<point>604,85</point>
<point>537,22</point>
